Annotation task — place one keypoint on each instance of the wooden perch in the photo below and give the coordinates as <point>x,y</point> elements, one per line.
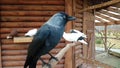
<point>12,34</point>
<point>59,56</point>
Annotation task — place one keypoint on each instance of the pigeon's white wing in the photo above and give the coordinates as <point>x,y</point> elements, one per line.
<point>70,36</point>
<point>31,32</point>
<point>80,33</point>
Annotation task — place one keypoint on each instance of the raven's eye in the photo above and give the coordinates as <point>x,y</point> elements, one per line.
<point>64,17</point>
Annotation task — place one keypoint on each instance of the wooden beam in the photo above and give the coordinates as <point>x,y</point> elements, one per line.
<point>68,55</point>
<point>117,22</point>
<point>113,9</point>
<point>105,38</point>
<point>0,55</point>
<point>108,23</point>
<point>100,5</point>
<point>99,24</point>
<point>117,5</point>
<point>22,39</point>
<point>99,19</point>
<point>32,7</point>
<point>24,18</point>
<point>110,14</point>
<point>21,24</point>
<point>27,13</point>
<point>103,16</point>
<point>35,2</point>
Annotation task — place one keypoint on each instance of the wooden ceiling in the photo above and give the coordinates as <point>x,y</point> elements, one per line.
<point>108,16</point>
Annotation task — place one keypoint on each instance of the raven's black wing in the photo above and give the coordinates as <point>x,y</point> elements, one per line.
<point>38,40</point>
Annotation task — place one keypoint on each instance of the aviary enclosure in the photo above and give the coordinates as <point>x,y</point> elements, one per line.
<point>28,14</point>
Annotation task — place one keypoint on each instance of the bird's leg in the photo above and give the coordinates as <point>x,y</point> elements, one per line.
<point>44,63</point>
<point>53,57</point>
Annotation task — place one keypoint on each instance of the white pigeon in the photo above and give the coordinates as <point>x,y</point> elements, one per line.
<point>77,31</point>
<point>75,36</point>
<point>31,33</point>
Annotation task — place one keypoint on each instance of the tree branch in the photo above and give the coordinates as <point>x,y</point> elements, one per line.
<point>59,56</point>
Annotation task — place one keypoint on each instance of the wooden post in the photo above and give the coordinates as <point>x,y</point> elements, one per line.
<point>69,56</point>
<point>105,37</point>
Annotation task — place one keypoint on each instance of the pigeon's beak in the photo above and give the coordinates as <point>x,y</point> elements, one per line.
<point>82,41</point>
<point>71,18</point>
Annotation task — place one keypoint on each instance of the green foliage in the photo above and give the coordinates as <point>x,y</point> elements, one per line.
<point>98,41</point>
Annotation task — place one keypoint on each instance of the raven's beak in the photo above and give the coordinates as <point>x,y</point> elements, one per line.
<point>70,18</point>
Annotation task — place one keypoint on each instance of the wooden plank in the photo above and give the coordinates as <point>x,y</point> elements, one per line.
<point>99,19</point>
<point>22,39</point>
<point>113,9</point>
<point>21,24</point>
<point>68,55</point>
<point>33,7</point>
<point>99,24</point>
<point>88,29</point>
<point>23,19</point>
<point>14,46</point>
<point>78,20</point>
<point>20,30</point>
<point>21,63</point>
<point>79,2</point>
<point>5,41</point>
<point>78,25</point>
<point>38,66</point>
<point>78,6</point>
<point>26,39</point>
<point>117,5</point>
<point>23,57</point>
<point>100,5</point>
<point>13,53</point>
<point>78,15</point>
<point>35,2</point>
<point>107,23</point>
<point>103,16</point>
<point>110,14</point>
<point>85,48</point>
<point>0,55</point>
<point>28,13</point>
<point>3,36</point>
<point>19,41</point>
<point>105,46</point>
<point>117,22</point>
<point>23,46</point>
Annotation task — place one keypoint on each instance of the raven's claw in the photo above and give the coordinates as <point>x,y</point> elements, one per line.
<point>52,57</point>
<point>46,64</point>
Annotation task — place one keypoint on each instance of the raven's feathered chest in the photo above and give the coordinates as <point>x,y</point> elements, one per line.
<point>47,38</point>
<point>54,36</point>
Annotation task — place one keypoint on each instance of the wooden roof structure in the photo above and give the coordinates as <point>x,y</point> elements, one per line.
<point>108,16</point>
<point>107,12</point>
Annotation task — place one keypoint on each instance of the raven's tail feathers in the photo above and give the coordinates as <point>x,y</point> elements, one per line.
<point>27,62</point>
<point>31,62</point>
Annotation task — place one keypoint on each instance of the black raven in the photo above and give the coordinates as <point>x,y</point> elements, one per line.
<point>46,38</point>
